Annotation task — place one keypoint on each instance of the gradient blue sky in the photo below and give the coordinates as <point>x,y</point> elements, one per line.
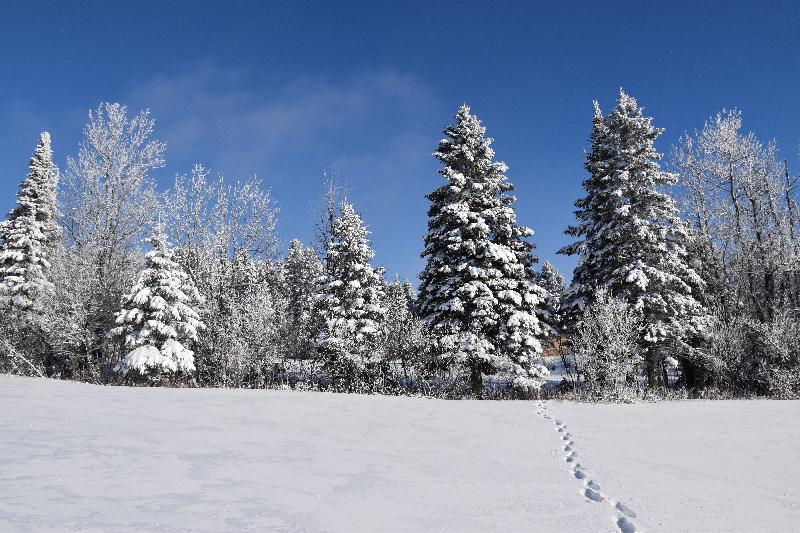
<point>285,90</point>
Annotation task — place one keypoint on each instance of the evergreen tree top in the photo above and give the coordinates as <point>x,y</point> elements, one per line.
<point>350,235</point>
<point>29,231</point>
<point>36,194</point>
<point>467,154</point>
<point>550,279</point>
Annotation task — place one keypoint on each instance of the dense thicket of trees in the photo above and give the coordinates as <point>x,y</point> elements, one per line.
<point>706,303</point>
<point>741,210</point>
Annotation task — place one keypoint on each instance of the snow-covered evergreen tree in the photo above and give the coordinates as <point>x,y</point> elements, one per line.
<point>405,336</point>
<point>553,284</point>
<point>630,239</point>
<point>302,271</point>
<point>159,317</point>
<point>350,303</point>
<point>518,295</point>
<point>477,292</point>
<point>28,233</point>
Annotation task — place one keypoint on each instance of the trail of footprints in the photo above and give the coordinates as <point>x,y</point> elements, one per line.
<point>591,490</point>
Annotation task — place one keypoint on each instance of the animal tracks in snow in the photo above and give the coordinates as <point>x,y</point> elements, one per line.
<point>591,489</point>
<point>624,509</point>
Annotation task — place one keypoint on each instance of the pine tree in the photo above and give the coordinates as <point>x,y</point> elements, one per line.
<point>518,295</point>
<point>405,337</point>
<point>29,233</point>
<point>630,239</point>
<point>553,284</point>
<point>159,317</point>
<point>351,305</point>
<point>301,273</point>
<point>477,292</point>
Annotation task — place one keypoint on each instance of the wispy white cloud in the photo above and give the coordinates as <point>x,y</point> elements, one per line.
<point>378,129</point>
<point>220,116</point>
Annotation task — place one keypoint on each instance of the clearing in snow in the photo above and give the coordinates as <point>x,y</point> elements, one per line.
<point>79,457</point>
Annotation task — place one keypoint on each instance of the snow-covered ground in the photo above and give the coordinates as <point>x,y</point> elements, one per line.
<point>76,457</point>
<point>694,465</point>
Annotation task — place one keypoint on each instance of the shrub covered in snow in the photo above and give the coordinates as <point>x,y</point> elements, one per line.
<point>605,346</point>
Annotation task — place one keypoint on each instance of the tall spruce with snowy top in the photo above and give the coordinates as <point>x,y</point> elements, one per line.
<point>477,291</point>
<point>302,271</point>
<point>159,318</point>
<point>553,284</point>
<point>350,303</point>
<point>518,295</point>
<point>29,232</point>
<point>629,237</point>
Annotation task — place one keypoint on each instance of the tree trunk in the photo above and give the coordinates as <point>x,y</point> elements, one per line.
<point>650,368</point>
<point>476,380</point>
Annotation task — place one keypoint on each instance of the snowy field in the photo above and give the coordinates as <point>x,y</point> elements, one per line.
<point>77,457</point>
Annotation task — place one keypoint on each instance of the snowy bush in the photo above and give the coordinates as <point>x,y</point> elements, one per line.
<point>749,357</point>
<point>777,353</point>
<point>252,337</point>
<point>605,346</point>
<point>406,342</point>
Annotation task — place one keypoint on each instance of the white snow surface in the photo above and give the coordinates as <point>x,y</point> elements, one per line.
<point>694,466</point>
<point>78,457</point>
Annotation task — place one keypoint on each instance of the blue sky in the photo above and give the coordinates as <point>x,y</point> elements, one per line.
<point>286,90</point>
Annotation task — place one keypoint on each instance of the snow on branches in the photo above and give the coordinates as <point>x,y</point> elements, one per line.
<point>630,239</point>
<point>29,231</point>
<point>159,318</point>
<point>477,289</point>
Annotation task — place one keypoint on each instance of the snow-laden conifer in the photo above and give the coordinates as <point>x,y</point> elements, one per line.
<point>476,290</point>
<point>350,304</point>
<point>517,293</point>
<point>29,232</point>
<point>630,239</point>
<point>159,317</point>
<point>553,284</point>
<point>302,271</point>
<point>405,336</point>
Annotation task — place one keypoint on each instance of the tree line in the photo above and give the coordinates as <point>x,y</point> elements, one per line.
<point>686,280</point>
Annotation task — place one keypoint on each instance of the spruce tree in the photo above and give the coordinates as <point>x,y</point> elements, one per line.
<point>553,284</point>
<point>519,298</point>
<point>159,318</point>
<point>301,275</point>
<point>29,233</point>
<point>405,337</point>
<point>350,303</point>
<point>476,290</point>
<point>629,237</point>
